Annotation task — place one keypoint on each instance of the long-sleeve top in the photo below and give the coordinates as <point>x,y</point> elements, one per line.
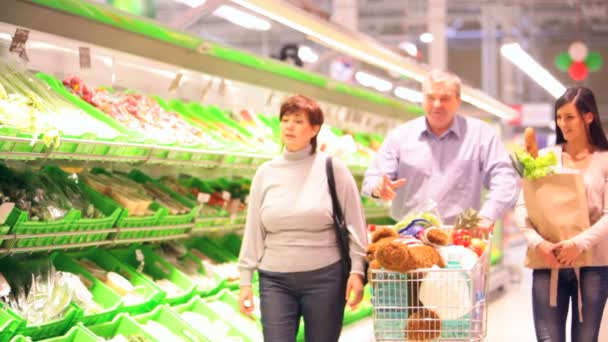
<point>449,169</point>
<point>289,224</point>
<point>595,237</point>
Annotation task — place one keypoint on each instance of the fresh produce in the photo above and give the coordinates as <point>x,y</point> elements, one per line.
<point>430,218</point>
<point>115,281</point>
<point>245,324</point>
<point>535,168</point>
<point>217,330</point>
<point>45,294</point>
<point>177,255</point>
<point>468,219</point>
<point>175,207</point>
<point>29,105</point>
<point>142,114</point>
<point>126,192</point>
<point>461,237</point>
<point>478,246</point>
<point>46,195</point>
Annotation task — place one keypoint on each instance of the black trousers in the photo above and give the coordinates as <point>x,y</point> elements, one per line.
<point>316,295</point>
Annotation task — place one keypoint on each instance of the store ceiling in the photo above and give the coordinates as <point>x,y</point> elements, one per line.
<point>543,27</point>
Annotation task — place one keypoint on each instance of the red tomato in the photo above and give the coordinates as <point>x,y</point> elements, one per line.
<point>461,237</point>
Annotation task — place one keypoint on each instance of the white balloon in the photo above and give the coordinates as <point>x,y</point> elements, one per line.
<point>578,51</point>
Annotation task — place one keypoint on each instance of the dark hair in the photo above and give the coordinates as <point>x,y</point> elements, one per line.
<point>584,101</point>
<point>301,103</point>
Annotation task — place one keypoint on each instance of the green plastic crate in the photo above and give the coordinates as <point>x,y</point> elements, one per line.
<point>248,327</point>
<point>158,268</point>
<point>6,146</point>
<point>9,323</point>
<point>121,325</point>
<point>172,321</point>
<point>126,221</point>
<point>21,338</point>
<point>202,289</point>
<point>215,253</point>
<point>110,209</point>
<point>168,219</point>
<point>51,328</point>
<point>77,333</point>
<point>110,301</point>
<point>201,307</point>
<point>20,223</point>
<point>151,293</point>
<point>230,242</point>
<point>113,150</point>
<point>47,329</point>
<point>211,249</point>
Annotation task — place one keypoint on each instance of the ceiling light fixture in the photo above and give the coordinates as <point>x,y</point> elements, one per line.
<point>242,18</point>
<point>426,37</point>
<point>191,3</point>
<point>514,53</point>
<point>372,81</point>
<point>410,48</point>
<point>307,54</point>
<point>408,94</point>
<point>358,46</point>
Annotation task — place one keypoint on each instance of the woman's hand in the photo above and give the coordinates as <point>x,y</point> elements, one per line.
<point>354,290</point>
<point>246,301</point>
<point>546,250</point>
<point>568,252</point>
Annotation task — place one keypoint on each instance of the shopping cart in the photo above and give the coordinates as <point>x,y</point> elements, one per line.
<point>437,304</point>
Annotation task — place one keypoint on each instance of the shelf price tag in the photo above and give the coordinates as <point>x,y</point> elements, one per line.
<point>175,83</point>
<point>18,43</point>
<point>84,56</point>
<point>5,210</point>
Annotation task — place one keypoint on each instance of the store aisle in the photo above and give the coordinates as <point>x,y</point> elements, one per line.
<point>509,315</point>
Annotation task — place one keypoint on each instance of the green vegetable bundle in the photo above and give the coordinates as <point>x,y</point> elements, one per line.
<point>535,168</point>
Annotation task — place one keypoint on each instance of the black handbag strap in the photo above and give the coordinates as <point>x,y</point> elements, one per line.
<point>331,182</point>
<point>337,211</point>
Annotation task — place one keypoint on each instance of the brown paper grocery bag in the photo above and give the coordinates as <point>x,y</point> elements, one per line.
<point>557,208</point>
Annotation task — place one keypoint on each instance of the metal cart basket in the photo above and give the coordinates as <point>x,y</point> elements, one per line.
<point>436,304</point>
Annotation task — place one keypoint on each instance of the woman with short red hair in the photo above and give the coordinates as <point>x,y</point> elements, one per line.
<point>290,235</point>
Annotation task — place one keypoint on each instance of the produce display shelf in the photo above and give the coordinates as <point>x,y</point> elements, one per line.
<point>197,158</point>
<point>225,228</point>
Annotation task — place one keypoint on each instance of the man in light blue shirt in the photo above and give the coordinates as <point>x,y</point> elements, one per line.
<point>444,157</point>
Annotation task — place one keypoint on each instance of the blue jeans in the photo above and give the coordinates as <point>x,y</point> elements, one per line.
<point>550,322</point>
<point>317,295</point>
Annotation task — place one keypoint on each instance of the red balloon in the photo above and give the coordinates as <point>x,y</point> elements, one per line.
<point>578,71</point>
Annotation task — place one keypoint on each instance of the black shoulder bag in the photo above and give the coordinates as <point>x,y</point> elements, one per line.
<point>341,229</point>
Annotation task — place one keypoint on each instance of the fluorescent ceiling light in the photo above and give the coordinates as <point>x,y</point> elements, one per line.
<point>410,48</point>
<point>307,54</point>
<point>519,57</point>
<point>371,81</point>
<point>408,94</point>
<point>343,42</point>
<point>191,3</point>
<point>241,18</point>
<point>427,37</point>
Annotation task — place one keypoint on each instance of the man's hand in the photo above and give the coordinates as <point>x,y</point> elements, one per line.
<point>385,189</point>
<point>246,301</point>
<point>354,286</point>
<point>568,252</point>
<point>546,250</point>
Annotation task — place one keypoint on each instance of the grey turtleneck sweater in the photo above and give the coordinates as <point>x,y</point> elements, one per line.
<point>289,221</point>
